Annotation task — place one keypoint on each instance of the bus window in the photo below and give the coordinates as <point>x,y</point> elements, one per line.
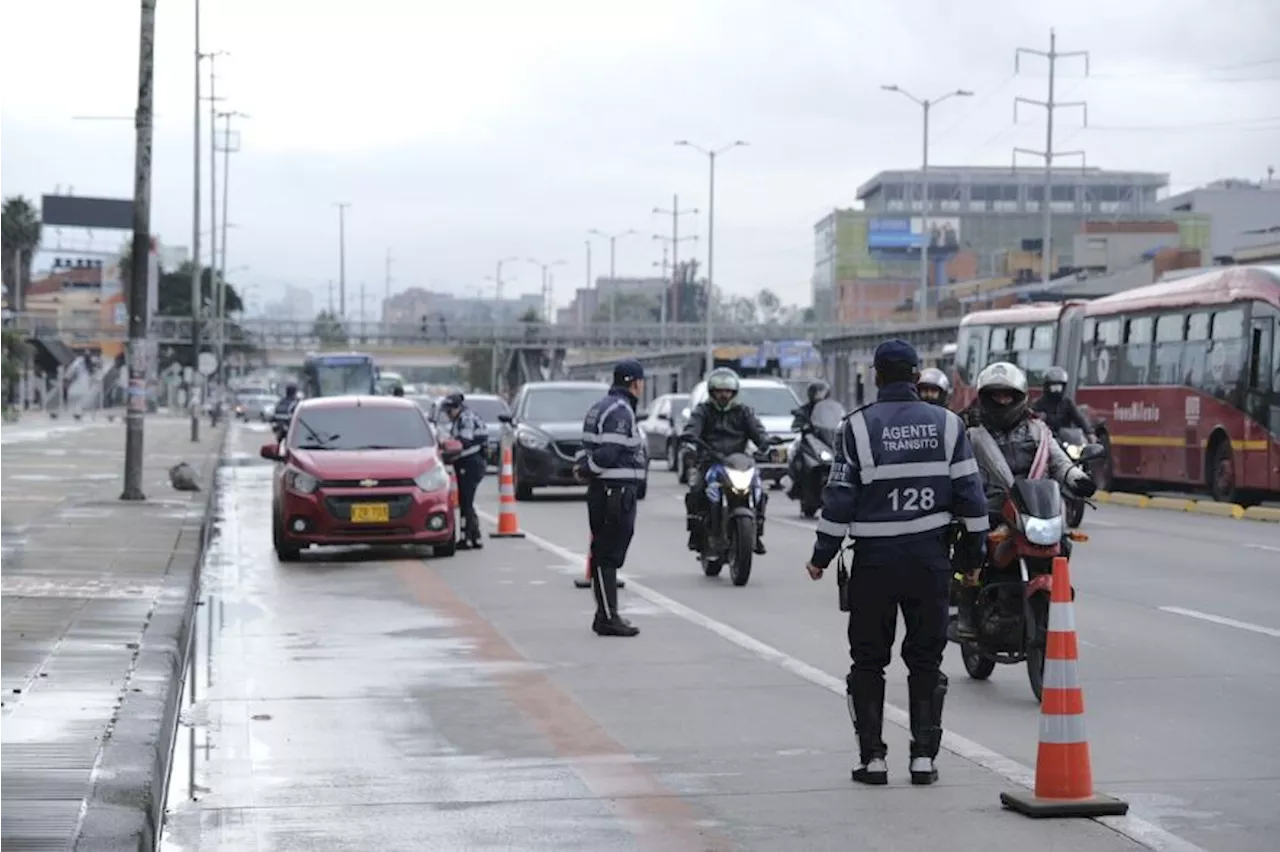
<point>1037,355</point>
<point>1098,362</point>
<point>1135,365</point>
<point>971,353</point>
<point>1168,349</point>
<point>1195,350</point>
<point>1225,362</point>
<point>1260,344</point>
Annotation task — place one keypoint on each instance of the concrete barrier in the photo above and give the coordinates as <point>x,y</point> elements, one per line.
<point>1221,510</point>
<point>1262,513</point>
<point>1174,504</point>
<point>1137,501</point>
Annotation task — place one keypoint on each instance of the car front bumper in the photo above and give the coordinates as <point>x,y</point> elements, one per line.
<point>324,518</point>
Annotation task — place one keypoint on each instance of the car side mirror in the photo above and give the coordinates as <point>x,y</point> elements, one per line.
<point>450,446</point>
<point>1092,451</point>
<point>271,452</point>
<point>505,418</point>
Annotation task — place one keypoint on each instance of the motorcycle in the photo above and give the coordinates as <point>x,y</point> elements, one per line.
<point>1073,444</point>
<point>734,493</point>
<point>1012,608</point>
<point>812,454</point>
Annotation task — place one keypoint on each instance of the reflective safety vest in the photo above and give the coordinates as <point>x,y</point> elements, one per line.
<point>613,447</point>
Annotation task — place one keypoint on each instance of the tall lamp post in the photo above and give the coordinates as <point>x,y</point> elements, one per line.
<point>499,317</point>
<point>546,290</point>
<point>613,279</point>
<point>925,106</point>
<point>711,154</point>
<point>342,257</point>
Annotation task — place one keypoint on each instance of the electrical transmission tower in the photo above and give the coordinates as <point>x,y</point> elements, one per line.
<point>1048,154</point>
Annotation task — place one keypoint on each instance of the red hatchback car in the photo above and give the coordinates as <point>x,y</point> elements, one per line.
<point>359,470</point>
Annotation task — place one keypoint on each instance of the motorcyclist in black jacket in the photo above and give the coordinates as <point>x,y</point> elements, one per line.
<point>1058,409</point>
<point>283,414</point>
<point>817,391</point>
<point>726,425</point>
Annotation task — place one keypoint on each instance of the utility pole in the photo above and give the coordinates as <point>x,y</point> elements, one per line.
<point>227,149</point>
<point>138,344</point>
<point>197,299</point>
<point>613,281</point>
<point>331,297</point>
<point>386,299</point>
<point>342,257</point>
<point>675,213</point>
<point>546,283</point>
<point>213,191</point>
<point>1048,154</point>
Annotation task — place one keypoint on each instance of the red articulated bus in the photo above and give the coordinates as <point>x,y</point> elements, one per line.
<point>1182,377</point>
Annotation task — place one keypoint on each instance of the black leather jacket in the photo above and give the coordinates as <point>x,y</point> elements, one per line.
<point>1061,412</point>
<point>726,430</point>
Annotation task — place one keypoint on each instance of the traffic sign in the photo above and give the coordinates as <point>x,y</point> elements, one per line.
<point>207,363</point>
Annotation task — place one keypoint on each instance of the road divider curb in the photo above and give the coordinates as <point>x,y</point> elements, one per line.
<point>1173,504</point>
<point>1268,514</point>
<point>1221,510</point>
<point>1262,513</point>
<point>1120,498</point>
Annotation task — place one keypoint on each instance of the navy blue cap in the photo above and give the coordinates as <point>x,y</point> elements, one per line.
<point>897,351</point>
<point>626,372</point>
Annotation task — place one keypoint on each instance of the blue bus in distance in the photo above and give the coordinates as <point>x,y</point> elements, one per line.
<point>339,374</point>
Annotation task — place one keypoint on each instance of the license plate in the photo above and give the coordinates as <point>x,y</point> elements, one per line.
<point>779,454</point>
<point>370,513</point>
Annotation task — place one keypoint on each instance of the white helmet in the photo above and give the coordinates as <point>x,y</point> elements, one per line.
<point>1002,376</point>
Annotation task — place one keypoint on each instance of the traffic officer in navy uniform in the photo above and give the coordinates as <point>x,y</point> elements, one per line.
<point>613,462</point>
<point>903,475</point>
<point>470,430</point>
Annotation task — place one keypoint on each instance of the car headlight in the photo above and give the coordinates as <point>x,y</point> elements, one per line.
<point>1043,531</point>
<point>299,481</point>
<point>1073,452</point>
<point>739,480</point>
<point>532,440</point>
<point>432,479</point>
<point>826,456</point>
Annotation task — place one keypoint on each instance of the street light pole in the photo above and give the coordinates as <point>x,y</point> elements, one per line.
<point>711,154</point>
<point>197,298</point>
<point>613,280</point>
<point>222,269</point>
<point>925,106</point>
<point>546,290</point>
<point>213,186</point>
<point>138,274</point>
<point>342,258</point>
<point>675,212</point>
<point>498,320</point>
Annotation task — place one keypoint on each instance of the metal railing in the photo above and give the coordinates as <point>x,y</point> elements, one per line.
<point>289,334</point>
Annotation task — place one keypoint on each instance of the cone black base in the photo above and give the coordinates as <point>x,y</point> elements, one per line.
<point>586,584</point>
<point>506,535</point>
<point>1028,804</point>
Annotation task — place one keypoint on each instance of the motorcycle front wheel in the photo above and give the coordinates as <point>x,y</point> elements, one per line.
<point>742,550</point>
<point>1075,513</point>
<point>977,666</point>
<point>1038,611</point>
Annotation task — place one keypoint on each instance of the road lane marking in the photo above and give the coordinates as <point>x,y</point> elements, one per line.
<point>1135,828</point>
<point>1263,547</point>
<point>1226,622</point>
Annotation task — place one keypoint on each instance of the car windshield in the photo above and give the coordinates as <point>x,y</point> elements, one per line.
<point>488,407</point>
<point>561,405</point>
<point>361,428</point>
<point>769,401</point>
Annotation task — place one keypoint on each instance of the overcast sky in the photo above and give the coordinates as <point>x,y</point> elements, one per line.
<point>464,132</point>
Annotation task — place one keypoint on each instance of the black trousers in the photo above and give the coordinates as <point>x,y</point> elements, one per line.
<point>921,590</point>
<point>611,511</point>
<point>470,473</point>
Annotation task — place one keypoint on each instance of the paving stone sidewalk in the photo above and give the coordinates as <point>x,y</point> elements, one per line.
<point>97,603</point>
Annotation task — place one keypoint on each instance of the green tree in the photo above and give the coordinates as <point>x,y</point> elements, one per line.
<point>175,292</point>
<point>769,307</point>
<point>477,366</point>
<point>631,308</point>
<point>329,329</point>
<point>20,228</point>
<point>531,315</point>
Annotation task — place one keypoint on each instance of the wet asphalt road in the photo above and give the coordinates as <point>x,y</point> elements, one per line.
<point>385,701</point>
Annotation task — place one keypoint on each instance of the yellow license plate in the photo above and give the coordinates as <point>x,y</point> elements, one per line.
<point>370,513</point>
<point>779,454</point>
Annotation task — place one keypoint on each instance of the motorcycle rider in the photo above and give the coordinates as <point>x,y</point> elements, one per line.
<point>726,425</point>
<point>1005,442</point>
<point>817,391</point>
<point>1057,408</point>
<point>283,413</point>
<point>934,386</point>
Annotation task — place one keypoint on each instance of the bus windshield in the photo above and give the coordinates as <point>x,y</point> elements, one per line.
<point>342,376</point>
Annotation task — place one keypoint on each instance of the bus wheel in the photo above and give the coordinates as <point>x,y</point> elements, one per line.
<point>1222,473</point>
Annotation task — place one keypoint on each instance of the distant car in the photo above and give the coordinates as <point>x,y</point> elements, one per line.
<point>490,409</point>
<point>252,406</point>
<point>773,401</point>
<point>359,470</point>
<point>659,428</point>
<point>544,430</point>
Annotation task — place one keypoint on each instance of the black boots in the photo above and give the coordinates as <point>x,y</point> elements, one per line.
<point>966,612</point>
<point>616,626</point>
<point>865,698</point>
<point>926,694</point>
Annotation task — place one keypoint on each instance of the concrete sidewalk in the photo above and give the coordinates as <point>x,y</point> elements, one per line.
<point>97,602</point>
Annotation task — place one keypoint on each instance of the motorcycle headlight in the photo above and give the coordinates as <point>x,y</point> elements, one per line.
<point>739,480</point>
<point>300,481</point>
<point>1043,531</point>
<point>532,440</point>
<point>826,456</point>
<point>1073,452</point>
<point>432,479</point>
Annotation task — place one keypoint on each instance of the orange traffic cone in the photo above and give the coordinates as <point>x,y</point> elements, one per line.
<point>508,526</point>
<point>1064,776</point>
<point>585,582</point>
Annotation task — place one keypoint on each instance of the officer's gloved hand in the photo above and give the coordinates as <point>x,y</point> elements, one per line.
<point>1084,487</point>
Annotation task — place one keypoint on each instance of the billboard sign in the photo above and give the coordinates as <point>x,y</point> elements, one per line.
<point>907,234</point>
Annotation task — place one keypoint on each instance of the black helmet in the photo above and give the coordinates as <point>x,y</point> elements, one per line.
<point>291,389</point>
<point>818,390</point>
<point>1055,382</point>
<point>398,390</point>
<point>453,400</point>
<point>934,386</point>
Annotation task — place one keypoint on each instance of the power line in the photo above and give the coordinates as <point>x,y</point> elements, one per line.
<point>1236,124</point>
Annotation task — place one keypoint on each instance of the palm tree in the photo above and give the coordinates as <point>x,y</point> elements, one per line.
<point>19,239</point>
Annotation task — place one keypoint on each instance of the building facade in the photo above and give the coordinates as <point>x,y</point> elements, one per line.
<point>979,217</point>
<point>1235,208</point>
